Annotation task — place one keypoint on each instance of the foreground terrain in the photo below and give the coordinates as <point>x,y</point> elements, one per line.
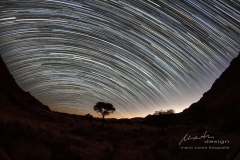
<point>59,136</point>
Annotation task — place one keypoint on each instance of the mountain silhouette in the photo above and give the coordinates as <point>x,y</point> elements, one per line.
<point>11,95</point>
<point>222,102</point>
<point>226,89</point>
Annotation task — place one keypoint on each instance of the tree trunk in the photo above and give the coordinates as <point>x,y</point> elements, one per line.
<point>163,131</point>
<point>103,121</point>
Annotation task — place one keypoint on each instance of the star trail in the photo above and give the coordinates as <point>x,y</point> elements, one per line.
<point>141,56</point>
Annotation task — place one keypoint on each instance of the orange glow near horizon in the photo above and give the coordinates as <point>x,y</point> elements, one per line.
<point>178,108</point>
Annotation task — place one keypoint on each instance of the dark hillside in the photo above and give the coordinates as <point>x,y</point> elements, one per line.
<point>221,104</point>
<point>11,93</point>
<point>226,89</point>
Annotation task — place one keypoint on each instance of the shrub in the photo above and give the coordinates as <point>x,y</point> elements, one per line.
<point>141,142</point>
<point>74,153</point>
<point>83,132</point>
<point>159,144</point>
<point>24,149</point>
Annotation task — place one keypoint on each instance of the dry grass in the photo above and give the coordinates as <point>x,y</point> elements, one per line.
<point>73,138</point>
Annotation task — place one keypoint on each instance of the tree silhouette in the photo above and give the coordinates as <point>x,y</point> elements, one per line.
<point>88,117</point>
<point>169,111</point>
<point>104,109</point>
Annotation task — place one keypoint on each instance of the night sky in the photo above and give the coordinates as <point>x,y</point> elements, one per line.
<point>141,56</point>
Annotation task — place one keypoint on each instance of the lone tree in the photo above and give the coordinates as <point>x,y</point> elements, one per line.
<point>104,109</point>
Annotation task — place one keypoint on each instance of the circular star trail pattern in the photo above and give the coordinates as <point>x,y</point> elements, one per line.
<point>141,56</point>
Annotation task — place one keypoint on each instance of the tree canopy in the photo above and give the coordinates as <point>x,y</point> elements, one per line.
<point>169,111</point>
